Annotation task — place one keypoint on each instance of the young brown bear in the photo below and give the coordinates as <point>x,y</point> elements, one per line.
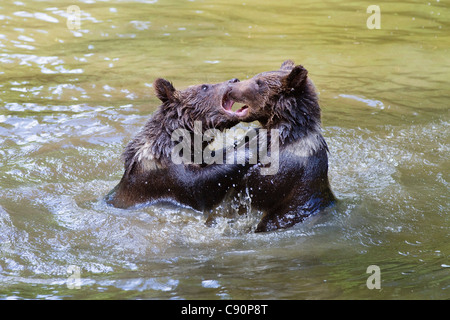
<point>286,100</point>
<point>151,175</point>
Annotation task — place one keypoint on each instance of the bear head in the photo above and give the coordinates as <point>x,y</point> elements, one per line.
<point>206,103</point>
<point>285,95</point>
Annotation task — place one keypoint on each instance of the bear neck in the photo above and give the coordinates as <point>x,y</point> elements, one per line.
<point>158,133</point>
<point>152,146</point>
<point>298,120</point>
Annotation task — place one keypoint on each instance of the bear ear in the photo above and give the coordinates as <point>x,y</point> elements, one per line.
<point>164,90</point>
<point>296,79</point>
<point>287,65</point>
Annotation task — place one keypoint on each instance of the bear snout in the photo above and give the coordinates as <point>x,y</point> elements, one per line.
<point>244,92</point>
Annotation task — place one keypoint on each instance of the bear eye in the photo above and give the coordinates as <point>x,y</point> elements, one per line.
<point>259,83</point>
<point>204,87</point>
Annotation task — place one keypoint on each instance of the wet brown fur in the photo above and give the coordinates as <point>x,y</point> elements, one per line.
<point>286,100</point>
<point>150,175</point>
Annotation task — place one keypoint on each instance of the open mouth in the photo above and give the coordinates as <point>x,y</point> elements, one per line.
<point>228,103</point>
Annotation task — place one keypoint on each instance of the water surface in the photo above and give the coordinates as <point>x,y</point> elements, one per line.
<point>70,100</point>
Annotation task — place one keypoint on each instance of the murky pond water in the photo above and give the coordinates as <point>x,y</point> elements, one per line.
<point>70,100</point>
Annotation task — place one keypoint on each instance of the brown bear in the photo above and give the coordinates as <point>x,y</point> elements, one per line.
<point>286,100</point>
<point>151,175</point>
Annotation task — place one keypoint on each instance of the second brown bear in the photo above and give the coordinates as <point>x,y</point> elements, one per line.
<point>285,100</point>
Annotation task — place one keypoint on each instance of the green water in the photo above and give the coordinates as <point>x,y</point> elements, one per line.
<point>70,100</point>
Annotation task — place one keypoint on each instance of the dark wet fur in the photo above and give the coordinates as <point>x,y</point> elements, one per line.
<point>151,176</point>
<point>286,100</point>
